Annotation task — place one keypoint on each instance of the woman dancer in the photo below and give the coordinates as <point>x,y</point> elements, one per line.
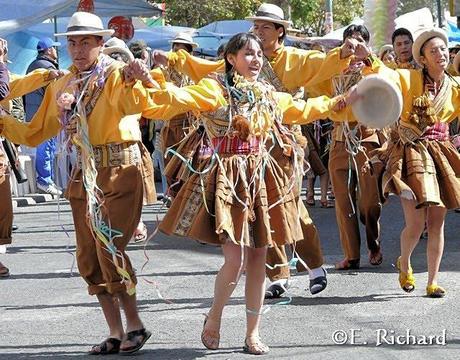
<point>241,198</point>
<point>423,167</point>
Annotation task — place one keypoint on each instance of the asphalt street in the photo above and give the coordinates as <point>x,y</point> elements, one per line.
<point>45,311</point>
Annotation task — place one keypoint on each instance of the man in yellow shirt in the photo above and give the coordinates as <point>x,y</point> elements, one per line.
<point>92,103</point>
<point>13,86</point>
<point>402,44</point>
<point>357,195</point>
<point>288,69</point>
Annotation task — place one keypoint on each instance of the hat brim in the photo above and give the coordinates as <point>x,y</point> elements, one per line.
<point>380,103</point>
<point>194,44</point>
<point>423,38</point>
<point>117,49</point>
<point>285,23</point>
<point>107,32</point>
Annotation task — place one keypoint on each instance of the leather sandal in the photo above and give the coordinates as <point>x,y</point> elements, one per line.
<point>4,271</point>
<point>327,204</point>
<point>107,347</point>
<point>210,338</point>
<point>375,258</point>
<point>346,264</point>
<point>310,200</point>
<point>139,337</point>
<point>255,348</point>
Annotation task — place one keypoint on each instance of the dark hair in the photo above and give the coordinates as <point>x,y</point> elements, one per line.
<point>401,32</point>
<point>221,50</point>
<point>235,44</point>
<point>281,38</point>
<point>188,47</point>
<point>137,48</point>
<point>360,29</point>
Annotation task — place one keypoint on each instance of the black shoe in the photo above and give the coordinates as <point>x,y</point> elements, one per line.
<point>318,284</point>
<point>14,227</point>
<point>274,291</point>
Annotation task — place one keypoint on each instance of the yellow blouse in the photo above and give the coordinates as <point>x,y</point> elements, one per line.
<point>298,68</point>
<point>207,96</point>
<point>194,67</point>
<point>21,85</point>
<point>411,84</point>
<point>294,67</point>
<point>116,101</point>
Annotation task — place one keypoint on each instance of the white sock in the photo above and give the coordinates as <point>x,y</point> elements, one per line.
<point>282,282</point>
<point>317,272</point>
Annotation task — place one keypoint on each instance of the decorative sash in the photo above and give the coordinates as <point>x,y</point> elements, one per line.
<point>268,74</point>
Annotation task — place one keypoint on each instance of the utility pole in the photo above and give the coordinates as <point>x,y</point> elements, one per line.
<point>329,21</point>
<point>438,3</point>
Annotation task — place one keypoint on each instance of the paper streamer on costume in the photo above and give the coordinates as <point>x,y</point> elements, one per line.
<point>147,260</point>
<point>379,19</point>
<point>101,230</point>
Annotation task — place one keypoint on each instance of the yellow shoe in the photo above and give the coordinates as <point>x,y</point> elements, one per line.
<point>435,291</point>
<point>406,280</point>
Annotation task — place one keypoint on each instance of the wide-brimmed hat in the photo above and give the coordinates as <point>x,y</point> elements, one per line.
<point>116,45</point>
<point>384,49</point>
<point>422,37</point>
<point>184,38</point>
<point>83,23</point>
<point>271,13</point>
<point>380,102</point>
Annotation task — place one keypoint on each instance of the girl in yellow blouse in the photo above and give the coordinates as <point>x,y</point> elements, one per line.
<point>240,197</point>
<point>423,167</point>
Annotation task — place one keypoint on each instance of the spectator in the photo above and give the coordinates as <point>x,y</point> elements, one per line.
<point>45,152</point>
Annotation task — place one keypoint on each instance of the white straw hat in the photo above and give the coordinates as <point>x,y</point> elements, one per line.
<point>380,103</point>
<point>271,13</point>
<point>83,23</point>
<point>422,37</point>
<point>384,49</point>
<point>116,45</point>
<point>184,38</point>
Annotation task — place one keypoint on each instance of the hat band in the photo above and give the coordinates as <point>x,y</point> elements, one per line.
<point>83,28</point>
<point>270,15</point>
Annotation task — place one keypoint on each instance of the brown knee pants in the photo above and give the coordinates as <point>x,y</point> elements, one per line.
<point>309,250</point>
<point>6,206</point>
<point>363,191</point>
<point>123,191</point>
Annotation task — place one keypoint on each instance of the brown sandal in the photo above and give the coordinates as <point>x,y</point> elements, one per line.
<point>346,264</point>
<point>255,348</point>
<point>327,204</point>
<point>310,200</point>
<point>210,338</point>
<point>375,258</point>
<point>4,271</point>
<point>107,347</point>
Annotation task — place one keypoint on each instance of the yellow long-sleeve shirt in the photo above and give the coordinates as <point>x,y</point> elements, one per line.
<point>24,84</point>
<point>294,67</point>
<point>411,84</point>
<point>194,67</point>
<point>208,96</point>
<point>105,124</point>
